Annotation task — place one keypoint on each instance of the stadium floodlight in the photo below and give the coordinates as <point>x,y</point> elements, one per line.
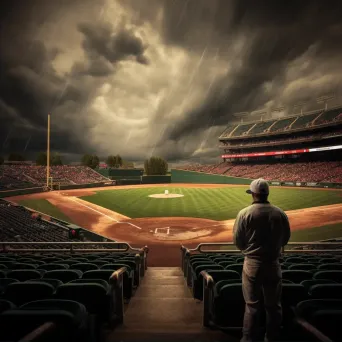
<point>277,110</point>
<point>241,115</point>
<point>299,105</point>
<point>325,99</point>
<point>261,112</point>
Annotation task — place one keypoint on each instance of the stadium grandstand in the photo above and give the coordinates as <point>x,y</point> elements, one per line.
<point>62,282</point>
<point>298,148</point>
<point>20,175</point>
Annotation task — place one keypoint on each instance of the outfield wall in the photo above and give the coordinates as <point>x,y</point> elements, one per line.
<point>18,192</point>
<point>182,176</point>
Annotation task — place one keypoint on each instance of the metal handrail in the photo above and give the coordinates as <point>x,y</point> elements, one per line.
<point>38,332</point>
<point>116,281</point>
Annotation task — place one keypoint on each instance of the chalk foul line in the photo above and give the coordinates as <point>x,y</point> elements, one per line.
<point>99,212</point>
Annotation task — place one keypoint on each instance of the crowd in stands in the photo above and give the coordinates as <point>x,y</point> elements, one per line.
<point>23,176</point>
<point>289,140</point>
<point>330,172</point>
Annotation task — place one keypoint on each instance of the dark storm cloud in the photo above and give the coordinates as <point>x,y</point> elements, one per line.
<point>274,53</point>
<point>100,41</point>
<point>276,33</point>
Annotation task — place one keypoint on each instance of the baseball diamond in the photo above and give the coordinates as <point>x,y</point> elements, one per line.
<point>205,213</point>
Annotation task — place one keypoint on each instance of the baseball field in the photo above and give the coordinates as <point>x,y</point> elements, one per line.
<point>188,214</point>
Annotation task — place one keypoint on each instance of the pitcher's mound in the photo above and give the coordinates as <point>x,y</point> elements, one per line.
<point>166,195</point>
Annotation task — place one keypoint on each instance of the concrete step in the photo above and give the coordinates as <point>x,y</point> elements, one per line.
<point>163,272</point>
<point>164,280</point>
<point>163,313</point>
<point>163,291</point>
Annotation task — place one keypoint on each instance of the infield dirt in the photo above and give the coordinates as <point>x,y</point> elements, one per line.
<point>165,235</point>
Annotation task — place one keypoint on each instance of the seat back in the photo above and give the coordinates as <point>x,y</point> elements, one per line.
<point>21,293</point>
<point>23,275</point>
<point>296,276</point>
<point>332,275</point>
<point>63,275</point>
<point>322,291</point>
<point>84,266</point>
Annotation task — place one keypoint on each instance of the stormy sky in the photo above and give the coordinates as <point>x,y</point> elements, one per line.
<point>158,77</point>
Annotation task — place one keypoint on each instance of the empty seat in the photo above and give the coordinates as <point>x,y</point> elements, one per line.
<point>4,282</point>
<point>63,275</point>
<point>197,279</point>
<point>6,305</point>
<point>229,306</point>
<point>21,266</point>
<point>93,296</point>
<point>2,266</point>
<point>69,327</point>
<point>52,267</point>
<point>235,267</point>
<point>333,275</point>
<point>98,274</point>
<point>54,282</point>
<point>23,275</point>
<point>296,276</point>
<point>304,267</point>
<point>326,291</point>
<point>330,266</point>
<point>21,293</point>
<point>102,282</point>
<point>84,266</point>
<point>308,283</point>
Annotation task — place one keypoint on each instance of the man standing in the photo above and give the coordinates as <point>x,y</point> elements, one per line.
<point>260,232</point>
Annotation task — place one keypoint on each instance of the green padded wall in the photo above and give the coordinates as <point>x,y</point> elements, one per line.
<point>181,176</point>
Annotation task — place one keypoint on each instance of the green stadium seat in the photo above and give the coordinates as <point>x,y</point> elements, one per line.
<point>69,319</point>
<point>94,297</point>
<point>235,267</point>
<point>3,267</point>
<point>21,266</point>
<point>322,291</point>
<point>335,266</point>
<point>99,263</point>
<point>308,283</point>
<point>21,293</point>
<point>4,282</point>
<point>6,305</point>
<point>102,282</point>
<point>52,260</point>
<point>84,267</point>
<point>197,279</point>
<point>304,267</point>
<point>31,261</point>
<point>52,267</point>
<point>332,275</point>
<point>53,282</point>
<point>219,284</point>
<point>296,276</point>
<point>229,306</point>
<point>98,274</point>
<point>23,275</point>
<point>63,275</point>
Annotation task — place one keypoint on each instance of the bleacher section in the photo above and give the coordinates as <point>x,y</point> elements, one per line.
<point>23,176</point>
<point>329,116</point>
<point>312,284</point>
<point>227,131</point>
<point>330,172</point>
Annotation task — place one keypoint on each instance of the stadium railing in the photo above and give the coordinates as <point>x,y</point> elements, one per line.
<point>228,247</point>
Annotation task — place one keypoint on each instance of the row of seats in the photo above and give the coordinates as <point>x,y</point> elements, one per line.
<point>72,290</point>
<point>216,279</point>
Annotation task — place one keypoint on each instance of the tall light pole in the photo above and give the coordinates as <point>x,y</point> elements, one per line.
<point>325,99</point>
<point>241,115</point>
<point>277,110</point>
<point>48,152</point>
<point>261,112</point>
<point>299,105</point>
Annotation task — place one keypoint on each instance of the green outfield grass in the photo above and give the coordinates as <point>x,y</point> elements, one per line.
<point>45,207</point>
<point>211,203</point>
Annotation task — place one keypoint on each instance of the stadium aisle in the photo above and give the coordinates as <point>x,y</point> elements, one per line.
<point>164,310</point>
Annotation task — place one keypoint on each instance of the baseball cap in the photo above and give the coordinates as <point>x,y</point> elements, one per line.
<point>259,187</point>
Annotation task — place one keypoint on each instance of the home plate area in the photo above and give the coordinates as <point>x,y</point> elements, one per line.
<point>179,233</point>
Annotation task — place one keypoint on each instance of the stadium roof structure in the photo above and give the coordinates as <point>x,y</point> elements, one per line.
<point>284,125</point>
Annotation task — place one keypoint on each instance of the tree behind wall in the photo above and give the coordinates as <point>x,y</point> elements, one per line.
<point>16,157</point>
<point>155,166</point>
<point>89,160</point>
<point>114,161</point>
<point>55,159</point>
